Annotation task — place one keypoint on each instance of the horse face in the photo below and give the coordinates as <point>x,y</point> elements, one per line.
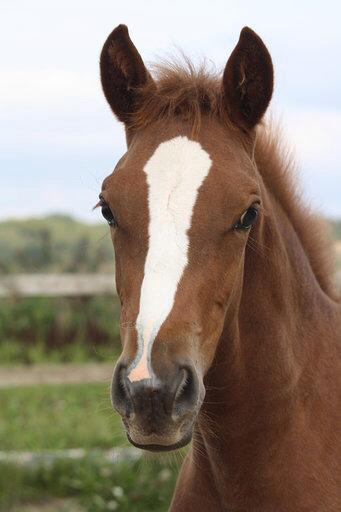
<point>180,208</point>
<point>175,204</point>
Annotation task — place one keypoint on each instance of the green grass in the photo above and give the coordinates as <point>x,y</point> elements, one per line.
<point>13,352</point>
<point>45,329</point>
<point>49,417</point>
<point>97,485</point>
<point>58,417</point>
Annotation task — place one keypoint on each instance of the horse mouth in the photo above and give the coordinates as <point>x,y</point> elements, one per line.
<point>162,447</point>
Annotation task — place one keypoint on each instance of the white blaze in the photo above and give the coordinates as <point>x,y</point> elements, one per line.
<point>174,172</point>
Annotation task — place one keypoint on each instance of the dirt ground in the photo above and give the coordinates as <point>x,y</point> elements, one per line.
<point>55,374</point>
<point>51,506</point>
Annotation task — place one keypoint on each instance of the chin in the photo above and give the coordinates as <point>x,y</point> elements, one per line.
<point>162,447</point>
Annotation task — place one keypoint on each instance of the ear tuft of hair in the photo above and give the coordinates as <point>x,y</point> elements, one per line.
<point>248,80</point>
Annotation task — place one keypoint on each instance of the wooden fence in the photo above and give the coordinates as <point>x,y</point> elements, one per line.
<point>64,285</point>
<point>56,285</point>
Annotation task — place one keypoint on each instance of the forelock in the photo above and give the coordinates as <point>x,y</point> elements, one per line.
<point>182,91</point>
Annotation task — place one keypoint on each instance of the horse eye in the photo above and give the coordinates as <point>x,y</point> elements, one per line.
<point>248,218</point>
<point>107,214</point>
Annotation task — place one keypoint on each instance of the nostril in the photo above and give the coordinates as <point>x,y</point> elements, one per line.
<point>184,388</point>
<point>186,395</point>
<point>119,391</point>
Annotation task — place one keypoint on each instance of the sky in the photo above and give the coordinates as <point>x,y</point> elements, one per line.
<point>58,137</point>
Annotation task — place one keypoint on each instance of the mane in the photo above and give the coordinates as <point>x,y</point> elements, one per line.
<point>279,171</point>
<point>180,90</point>
<point>183,91</point>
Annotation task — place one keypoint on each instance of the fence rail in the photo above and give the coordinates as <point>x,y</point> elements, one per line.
<point>56,285</point>
<point>65,285</point>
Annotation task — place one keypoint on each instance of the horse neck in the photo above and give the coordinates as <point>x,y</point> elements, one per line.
<point>274,379</point>
<point>269,356</point>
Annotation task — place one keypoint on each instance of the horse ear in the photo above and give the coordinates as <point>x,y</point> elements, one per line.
<point>122,73</point>
<point>248,80</point>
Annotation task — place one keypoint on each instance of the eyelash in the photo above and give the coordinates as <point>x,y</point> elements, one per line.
<point>247,220</point>
<point>107,213</point>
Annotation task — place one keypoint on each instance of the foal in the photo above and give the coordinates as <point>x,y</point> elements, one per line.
<point>229,323</point>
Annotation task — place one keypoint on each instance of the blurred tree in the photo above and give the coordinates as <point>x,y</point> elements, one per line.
<point>56,243</point>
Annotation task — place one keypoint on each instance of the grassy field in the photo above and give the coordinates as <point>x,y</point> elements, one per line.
<point>36,418</point>
<point>94,485</point>
<point>53,417</point>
